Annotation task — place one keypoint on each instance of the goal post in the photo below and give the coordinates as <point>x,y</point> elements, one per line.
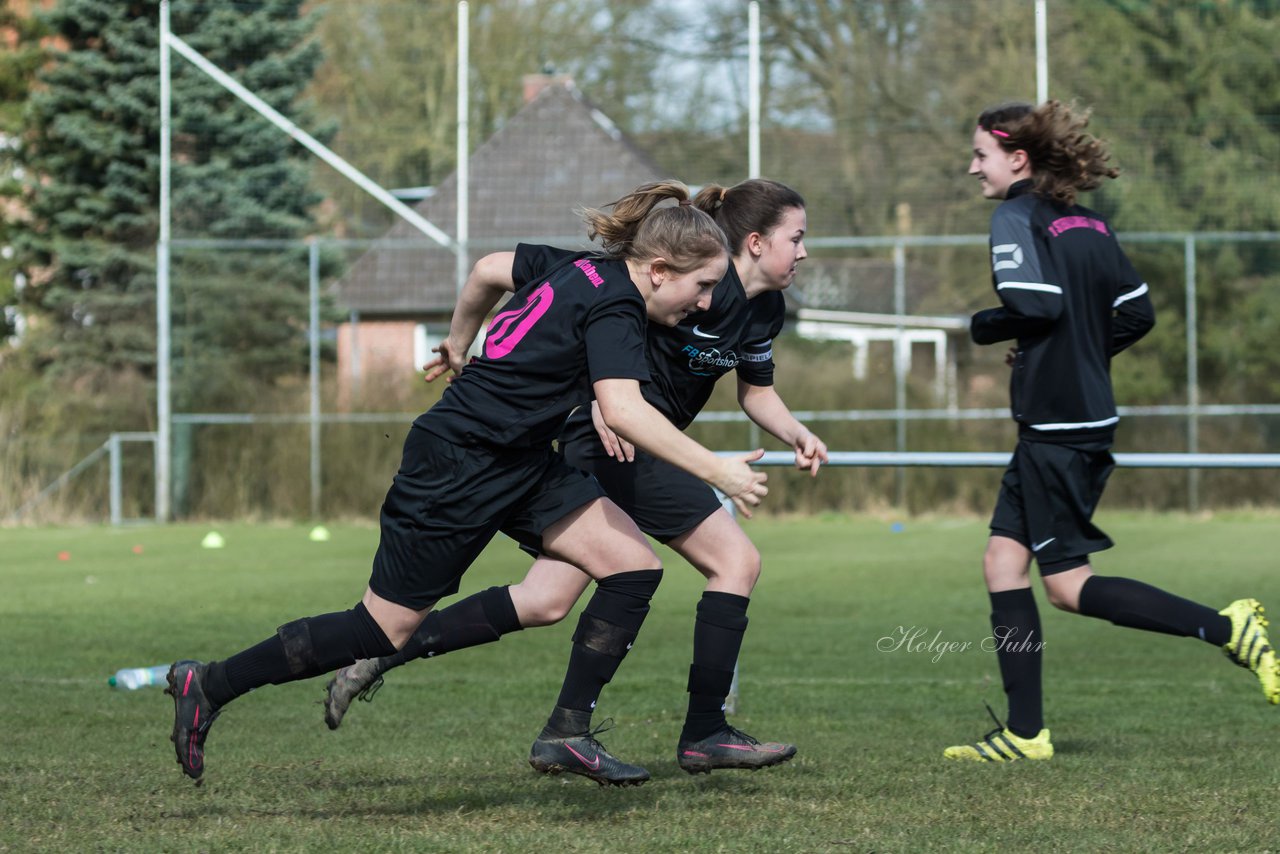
<point>169,42</point>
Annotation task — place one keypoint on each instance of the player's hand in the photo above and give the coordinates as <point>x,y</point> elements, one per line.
<point>742,483</point>
<point>450,356</point>
<point>614,445</point>
<point>1011,356</point>
<point>811,452</point>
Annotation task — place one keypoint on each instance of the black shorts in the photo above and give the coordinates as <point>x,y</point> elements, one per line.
<point>665,501</point>
<point>448,501</point>
<point>1047,498</point>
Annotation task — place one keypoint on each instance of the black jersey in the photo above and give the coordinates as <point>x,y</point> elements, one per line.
<point>581,322</point>
<point>1072,300</point>
<point>734,334</point>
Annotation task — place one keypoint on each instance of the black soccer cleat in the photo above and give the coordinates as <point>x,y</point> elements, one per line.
<point>731,748</point>
<point>360,681</point>
<point>193,714</point>
<point>583,754</point>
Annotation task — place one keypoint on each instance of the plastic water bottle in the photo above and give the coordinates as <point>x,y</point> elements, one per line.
<point>132,678</point>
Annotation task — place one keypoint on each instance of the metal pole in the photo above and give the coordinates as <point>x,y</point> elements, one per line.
<point>731,699</point>
<point>1193,371</point>
<point>900,365</point>
<point>113,458</point>
<point>1042,52</point>
<point>464,151</point>
<point>753,89</point>
<point>313,368</point>
<point>354,325</point>
<point>163,403</point>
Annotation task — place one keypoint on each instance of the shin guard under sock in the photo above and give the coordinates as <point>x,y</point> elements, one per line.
<point>479,619</point>
<point>1015,627</point>
<point>1136,605</point>
<point>299,650</point>
<point>717,640</point>
<point>606,631</point>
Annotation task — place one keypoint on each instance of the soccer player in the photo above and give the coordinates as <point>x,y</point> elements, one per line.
<point>765,223</point>
<point>481,461</point>
<point>1071,300</point>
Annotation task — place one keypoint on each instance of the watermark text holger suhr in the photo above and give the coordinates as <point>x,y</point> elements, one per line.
<point>917,639</point>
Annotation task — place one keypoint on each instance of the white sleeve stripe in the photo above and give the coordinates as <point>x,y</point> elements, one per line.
<point>1078,425</point>
<point>1136,292</point>
<point>1030,286</point>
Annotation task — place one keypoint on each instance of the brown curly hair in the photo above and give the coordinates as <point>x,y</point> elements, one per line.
<point>1065,159</point>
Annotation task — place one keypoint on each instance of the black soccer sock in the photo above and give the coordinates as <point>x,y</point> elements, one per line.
<point>1015,627</point>
<point>299,650</point>
<point>479,619</point>
<point>1136,605</point>
<point>717,639</point>
<point>606,631</point>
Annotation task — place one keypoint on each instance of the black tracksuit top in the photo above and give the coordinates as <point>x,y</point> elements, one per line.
<point>1070,297</point>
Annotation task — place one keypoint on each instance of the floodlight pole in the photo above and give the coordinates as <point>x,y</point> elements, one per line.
<point>753,89</point>
<point>1042,52</point>
<point>464,158</point>
<point>163,403</point>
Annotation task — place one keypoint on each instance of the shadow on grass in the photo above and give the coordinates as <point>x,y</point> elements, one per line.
<point>396,795</point>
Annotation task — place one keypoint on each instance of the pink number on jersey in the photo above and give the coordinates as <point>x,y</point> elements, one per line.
<point>501,338</point>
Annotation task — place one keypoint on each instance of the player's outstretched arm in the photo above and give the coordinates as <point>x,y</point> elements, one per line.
<point>490,278</point>
<point>766,408</point>
<point>628,414</point>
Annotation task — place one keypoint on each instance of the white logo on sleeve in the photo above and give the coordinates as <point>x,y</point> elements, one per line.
<point>1012,262</point>
<point>1038,546</point>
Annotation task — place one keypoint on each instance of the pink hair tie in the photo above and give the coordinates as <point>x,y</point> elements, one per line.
<point>999,133</point>
<point>684,203</point>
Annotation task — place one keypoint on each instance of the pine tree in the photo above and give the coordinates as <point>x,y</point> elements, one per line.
<point>91,155</point>
<point>18,64</point>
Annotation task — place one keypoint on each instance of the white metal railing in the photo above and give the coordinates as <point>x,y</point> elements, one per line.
<point>111,450</point>
<point>971,459</point>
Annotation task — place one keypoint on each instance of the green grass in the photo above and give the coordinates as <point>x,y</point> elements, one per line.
<point>1163,745</point>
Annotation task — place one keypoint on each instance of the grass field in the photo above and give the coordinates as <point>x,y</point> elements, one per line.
<point>1163,745</point>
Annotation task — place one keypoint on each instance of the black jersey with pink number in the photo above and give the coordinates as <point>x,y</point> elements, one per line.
<point>577,323</point>
<point>734,334</point>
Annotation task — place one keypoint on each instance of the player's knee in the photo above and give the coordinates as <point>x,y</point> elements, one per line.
<point>1004,566</point>
<point>739,568</point>
<point>1063,600</point>
<point>744,570</point>
<point>1000,576</point>
<point>544,612</point>
<point>1063,581</point>
<point>631,556</point>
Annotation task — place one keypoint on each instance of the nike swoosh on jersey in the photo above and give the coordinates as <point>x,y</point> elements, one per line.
<point>1038,546</point>
<point>701,334</point>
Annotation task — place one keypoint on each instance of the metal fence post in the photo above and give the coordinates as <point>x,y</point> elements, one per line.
<point>901,356</point>
<point>1193,373</point>
<point>113,500</point>
<point>313,299</point>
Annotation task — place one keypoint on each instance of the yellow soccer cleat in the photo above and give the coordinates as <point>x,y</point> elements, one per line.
<point>1250,647</point>
<point>1001,745</point>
